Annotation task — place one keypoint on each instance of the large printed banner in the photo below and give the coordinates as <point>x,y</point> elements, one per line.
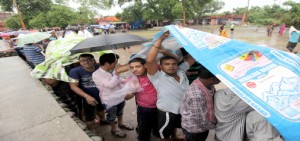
<point>266,78</point>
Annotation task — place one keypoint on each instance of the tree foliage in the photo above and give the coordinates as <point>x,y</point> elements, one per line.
<point>167,9</point>
<point>13,22</point>
<point>58,16</point>
<point>272,14</point>
<point>210,7</point>
<point>292,16</point>
<point>48,13</point>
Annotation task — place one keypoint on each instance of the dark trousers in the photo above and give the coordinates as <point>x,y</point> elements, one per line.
<point>147,122</point>
<point>195,136</point>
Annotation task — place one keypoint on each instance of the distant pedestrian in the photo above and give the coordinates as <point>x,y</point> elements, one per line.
<point>221,28</point>
<point>231,30</point>
<point>282,28</point>
<point>294,36</point>
<point>224,33</point>
<point>270,29</point>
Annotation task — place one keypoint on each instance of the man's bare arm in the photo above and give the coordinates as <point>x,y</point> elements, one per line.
<point>151,58</point>
<point>90,100</point>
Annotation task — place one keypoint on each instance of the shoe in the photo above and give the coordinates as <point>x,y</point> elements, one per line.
<point>119,133</point>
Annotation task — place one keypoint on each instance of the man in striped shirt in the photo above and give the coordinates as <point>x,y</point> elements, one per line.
<point>34,54</point>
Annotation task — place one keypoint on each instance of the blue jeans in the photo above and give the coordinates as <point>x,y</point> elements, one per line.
<point>115,111</point>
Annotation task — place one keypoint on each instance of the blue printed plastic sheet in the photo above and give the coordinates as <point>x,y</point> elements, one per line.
<point>265,78</point>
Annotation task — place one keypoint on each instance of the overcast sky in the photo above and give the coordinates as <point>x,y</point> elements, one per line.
<point>229,5</point>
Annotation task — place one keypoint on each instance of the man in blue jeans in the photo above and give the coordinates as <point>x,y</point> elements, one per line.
<point>108,82</point>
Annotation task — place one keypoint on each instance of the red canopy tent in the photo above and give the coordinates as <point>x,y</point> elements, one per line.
<point>112,19</point>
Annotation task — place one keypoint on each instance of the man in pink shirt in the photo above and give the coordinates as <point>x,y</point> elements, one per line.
<point>110,86</point>
<point>146,101</point>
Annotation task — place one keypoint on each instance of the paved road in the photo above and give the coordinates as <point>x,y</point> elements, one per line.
<point>28,112</point>
<point>4,45</point>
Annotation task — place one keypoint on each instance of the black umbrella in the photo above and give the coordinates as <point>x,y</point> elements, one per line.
<point>108,42</point>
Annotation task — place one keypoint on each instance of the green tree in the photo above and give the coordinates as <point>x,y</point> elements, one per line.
<point>13,22</point>
<point>6,5</point>
<point>240,10</point>
<point>292,17</point>
<point>37,9</point>
<point>58,16</point>
<point>40,21</point>
<point>266,15</point>
<point>210,7</point>
<point>133,13</point>
<point>165,9</point>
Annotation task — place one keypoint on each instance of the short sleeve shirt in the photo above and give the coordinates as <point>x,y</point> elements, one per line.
<point>294,37</point>
<point>33,54</point>
<point>148,96</point>
<point>86,82</point>
<point>170,91</point>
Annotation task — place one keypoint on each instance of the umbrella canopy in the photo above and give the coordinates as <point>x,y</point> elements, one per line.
<point>4,34</point>
<point>32,38</point>
<point>110,26</point>
<point>103,27</point>
<point>108,42</point>
<point>16,33</point>
<point>112,19</point>
<point>58,56</point>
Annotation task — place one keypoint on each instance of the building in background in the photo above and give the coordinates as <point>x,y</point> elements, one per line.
<point>222,19</point>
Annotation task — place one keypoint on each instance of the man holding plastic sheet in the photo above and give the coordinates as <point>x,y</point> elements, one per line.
<point>170,83</point>
<point>114,91</point>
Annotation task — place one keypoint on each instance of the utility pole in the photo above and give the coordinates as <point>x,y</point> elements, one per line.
<point>244,16</point>
<point>183,12</point>
<point>19,13</point>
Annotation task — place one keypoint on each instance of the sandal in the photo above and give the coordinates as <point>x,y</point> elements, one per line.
<point>119,133</point>
<point>126,126</point>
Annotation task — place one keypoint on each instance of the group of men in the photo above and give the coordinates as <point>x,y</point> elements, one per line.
<point>165,99</point>
<point>175,94</point>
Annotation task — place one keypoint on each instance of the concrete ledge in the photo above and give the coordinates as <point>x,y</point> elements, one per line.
<point>28,112</point>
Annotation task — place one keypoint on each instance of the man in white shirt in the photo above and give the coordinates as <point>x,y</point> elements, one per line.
<point>170,83</point>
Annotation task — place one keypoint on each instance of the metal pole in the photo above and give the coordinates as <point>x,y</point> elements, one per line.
<point>19,13</point>
<point>245,13</point>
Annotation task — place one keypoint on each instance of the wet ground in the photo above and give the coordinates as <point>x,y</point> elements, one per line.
<point>250,34</point>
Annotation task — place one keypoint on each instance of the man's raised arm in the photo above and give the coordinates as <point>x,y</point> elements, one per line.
<point>151,58</point>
